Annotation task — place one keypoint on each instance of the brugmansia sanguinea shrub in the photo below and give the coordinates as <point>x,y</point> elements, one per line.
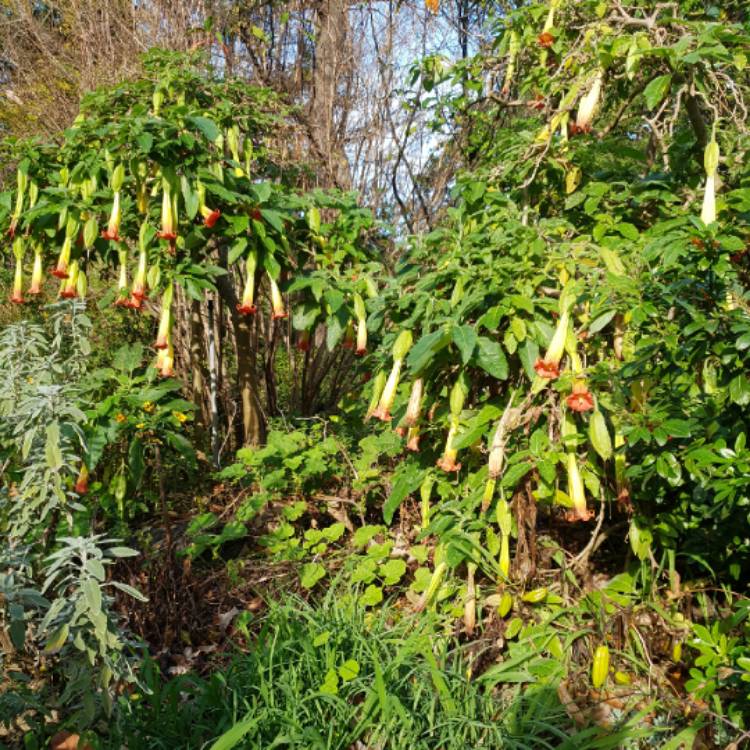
<point>400,350</point>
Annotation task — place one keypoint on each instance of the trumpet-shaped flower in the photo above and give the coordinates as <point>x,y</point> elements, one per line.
<point>165,360</point>
<point>17,293</point>
<point>414,407</point>
<point>303,341</point>
<point>165,319</point>
<point>588,105</point>
<point>277,301</point>
<point>549,367</point>
<point>412,439</point>
<point>247,305</point>
<point>576,491</point>
<point>378,384</point>
<point>82,483</point>
<point>37,273</point>
<point>122,282</point>
<point>22,181</point>
<point>580,399</point>
<point>447,462</point>
<point>210,215</point>
<point>361,314</point>
<point>139,282</point>
<point>400,350</point>
<point>70,288</point>
<point>61,268</point>
<point>711,164</point>
<point>168,229</point>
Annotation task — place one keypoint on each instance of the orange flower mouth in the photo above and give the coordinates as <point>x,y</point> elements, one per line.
<point>212,218</point>
<point>546,369</point>
<point>247,309</point>
<point>546,40</point>
<point>448,463</point>
<point>382,414</point>
<point>580,400</point>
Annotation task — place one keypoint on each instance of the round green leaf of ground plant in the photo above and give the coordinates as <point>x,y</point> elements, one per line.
<point>322,639</point>
<point>372,595</point>
<point>392,571</point>
<point>364,533</point>
<point>311,573</point>
<point>330,685</point>
<point>422,578</point>
<point>349,670</point>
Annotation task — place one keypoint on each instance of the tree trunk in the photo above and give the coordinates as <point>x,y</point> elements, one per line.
<point>332,64</point>
<point>253,419</point>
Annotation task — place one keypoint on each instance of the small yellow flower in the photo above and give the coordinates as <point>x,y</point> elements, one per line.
<point>141,425</point>
<point>120,417</point>
<point>149,407</point>
<point>29,380</point>
<point>179,416</point>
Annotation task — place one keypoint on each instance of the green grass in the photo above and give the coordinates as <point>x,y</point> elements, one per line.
<point>334,677</point>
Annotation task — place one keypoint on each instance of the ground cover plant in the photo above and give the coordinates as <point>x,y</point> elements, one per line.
<point>281,467</point>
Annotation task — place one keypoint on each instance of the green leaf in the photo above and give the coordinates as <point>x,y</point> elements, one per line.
<point>668,467</point>
<point>371,596</point>
<point>130,591</point>
<point>122,552</point>
<point>232,737</point>
<point>392,571</point>
<point>52,449</point>
<point>349,670</point>
<point>529,354</point>
<point>57,640</point>
<point>206,126</point>
<point>599,436</point>
<point>93,595</point>
<point>602,321</point>
<point>465,339</point>
<point>656,90</point>
<point>310,574</point>
<point>424,350</point>
<point>491,358</point>
<point>364,533</point>
<point>739,390</point>
<point>515,473</point>
<point>96,569</point>
<point>407,479</point>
